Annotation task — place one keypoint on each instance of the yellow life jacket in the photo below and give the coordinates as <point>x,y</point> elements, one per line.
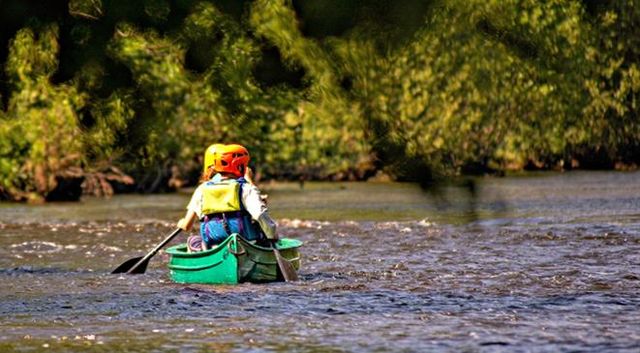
<point>223,212</point>
<point>222,196</point>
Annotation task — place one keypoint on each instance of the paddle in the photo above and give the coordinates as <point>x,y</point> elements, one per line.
<point>286,268</point>
<point>139,264</point>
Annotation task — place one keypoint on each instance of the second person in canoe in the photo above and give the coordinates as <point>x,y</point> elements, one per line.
<point>227,201</point>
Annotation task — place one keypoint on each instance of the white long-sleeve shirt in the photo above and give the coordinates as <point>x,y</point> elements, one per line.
<point>251,201</point>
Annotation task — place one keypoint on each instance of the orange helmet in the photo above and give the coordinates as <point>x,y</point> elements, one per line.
<point>227,159</point>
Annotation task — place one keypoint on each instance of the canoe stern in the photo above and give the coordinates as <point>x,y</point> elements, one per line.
<point>234,260</point>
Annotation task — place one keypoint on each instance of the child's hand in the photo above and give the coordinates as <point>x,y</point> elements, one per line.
<point>183,224</point>
<point>248,175</point>
<point>187,222</point>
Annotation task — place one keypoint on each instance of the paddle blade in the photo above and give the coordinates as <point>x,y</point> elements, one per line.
<point>286,268</point>
<point>128,266</point>
<point>140,268</point>
<point>139,264</point>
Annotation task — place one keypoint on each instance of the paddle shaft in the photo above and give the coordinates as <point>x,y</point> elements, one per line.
<point>154,251</point>
<point>286,268</point>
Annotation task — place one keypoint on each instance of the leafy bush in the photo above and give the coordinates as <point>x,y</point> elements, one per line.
<point>416,89</point>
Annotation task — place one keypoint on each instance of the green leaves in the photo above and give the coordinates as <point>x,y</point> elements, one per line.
<point>42,128</point>
<point>479,86</point>
<point>32,55</point>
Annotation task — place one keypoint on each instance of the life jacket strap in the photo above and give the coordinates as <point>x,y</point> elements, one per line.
<point>225,224</point>
<point>223,215</point>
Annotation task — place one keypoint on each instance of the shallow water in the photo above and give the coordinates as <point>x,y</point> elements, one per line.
<point>542,263</point>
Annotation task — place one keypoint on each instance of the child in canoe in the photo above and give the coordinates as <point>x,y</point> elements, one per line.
<point>227,201</point>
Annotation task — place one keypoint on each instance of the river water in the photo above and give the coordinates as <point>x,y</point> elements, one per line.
<point>537,263</point>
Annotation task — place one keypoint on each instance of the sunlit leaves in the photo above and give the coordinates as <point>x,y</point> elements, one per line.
<point>328,137</point>
<point>480,86</point>
<point>42,128</point>
<point>185,110</point>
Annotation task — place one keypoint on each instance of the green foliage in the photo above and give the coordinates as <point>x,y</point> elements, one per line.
<point>41,128</point>
<point>324,133</point>
<point>490,85</point>
<point>614,87</point>
<point>184,110</point>
<point>112,116</point>
<point>459,87</point>
<point>42,137</point>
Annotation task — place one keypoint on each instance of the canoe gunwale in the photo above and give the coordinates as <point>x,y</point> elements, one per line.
<point>253,256</point>
<point>253,259</point>
<point>180,250</point>
<point>194,268</point>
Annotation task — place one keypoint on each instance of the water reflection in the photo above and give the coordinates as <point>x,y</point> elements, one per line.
<point>463,199</point>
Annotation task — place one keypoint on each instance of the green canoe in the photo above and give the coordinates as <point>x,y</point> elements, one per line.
<point>233,261</point>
